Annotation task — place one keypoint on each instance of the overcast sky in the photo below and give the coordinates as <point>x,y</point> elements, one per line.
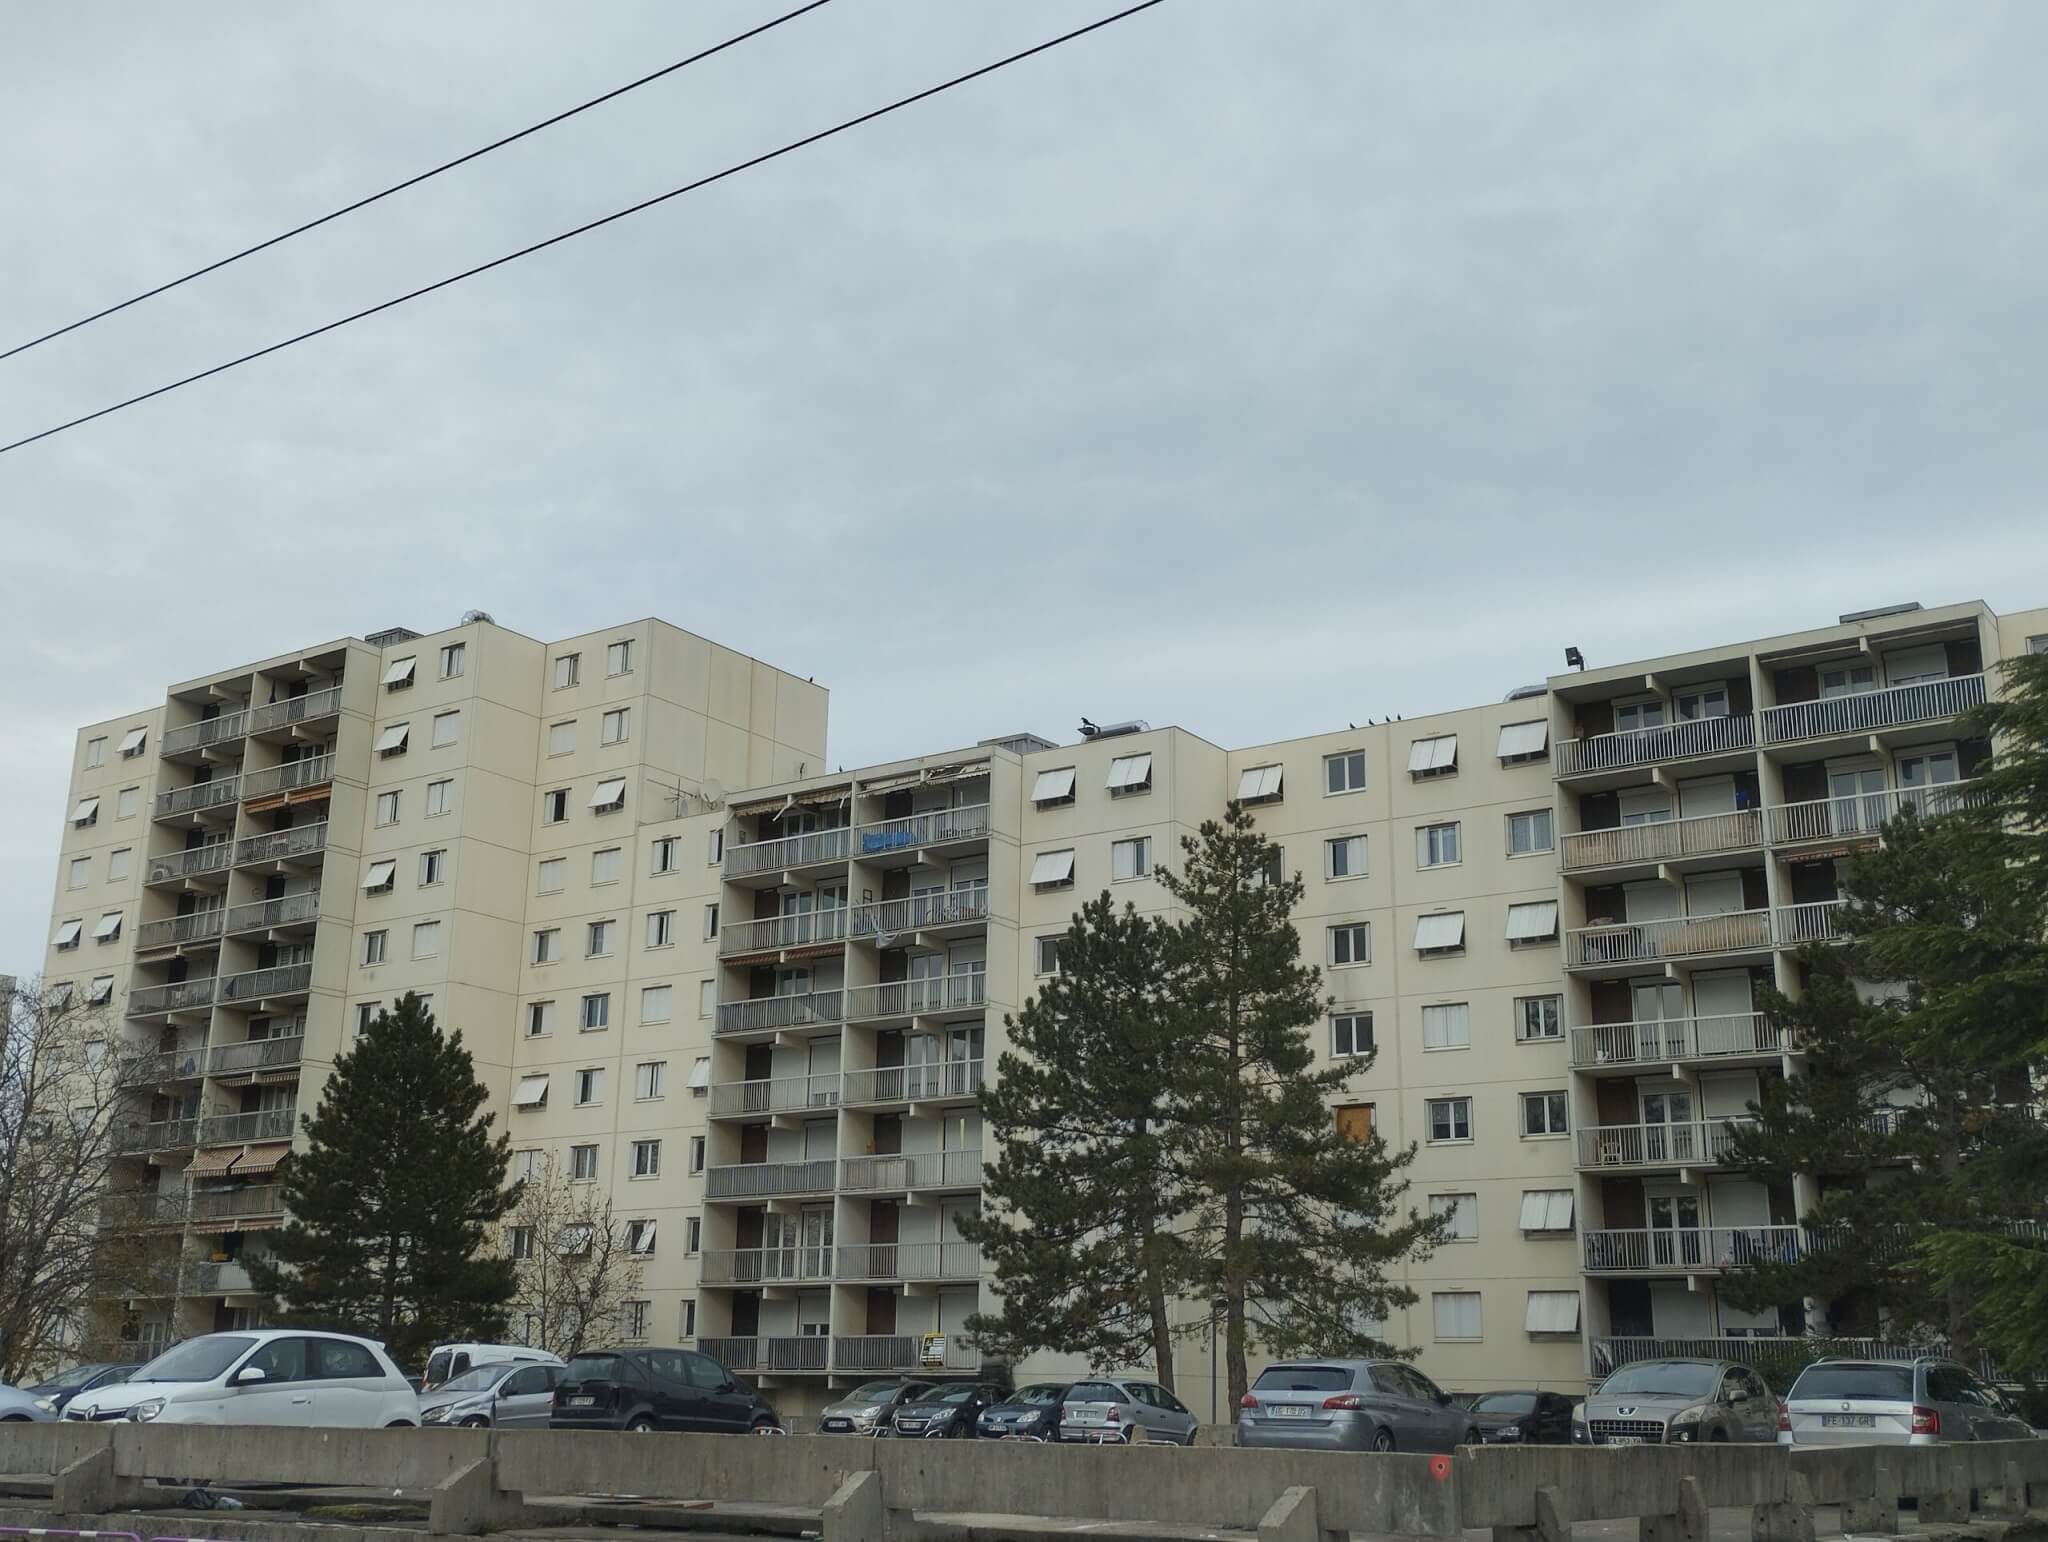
<point>1249,366</point>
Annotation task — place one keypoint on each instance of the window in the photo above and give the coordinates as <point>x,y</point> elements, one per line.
<point>525,1165</point>
<point>522,1241</point>
<point>640,1237</point>
<point>1053,870</point>
<point>562,738</point>
<point>398,674</point>
<point>598,940</point>
<point>547,945</point>
<point>366,1014</point>
<point>2038,644</point>
<point>1644,712</point>
<point>447,729</point>
<point>1433,757</point>
<point>118,863</point>
<point>707,997</point>
<point>648,1077</point>
<point>132,742</point>
<point>1350,944</point>
<point>95,753</point>
<point>1457,1314</point>
<point>573,1240</point>
<point>1521,743</point>
<point>440,797</point>
<point>540,1018</point>
<point>661,928</point>
<point>387,807</point>
<point>554,874</point>
<point>426,939</point>
<point>1440,934</point>
<point>656,1003</point>
<point>618,657</point>
<point>700,1076</point>
<point>1354,1122</point>
<point>605,865</point>
<point>1129,774</point>
<point>1546,1210</point>
<point>1344,772</point>
<point>393,740</point>
<point>613,728</point>
<point>711,920</point>
<point>1915,666</point>
<point>1552,1311</point>
<point>1260,784</point>
<point>1543,1113</point>
<point>693,1235</point>
<point>373,947</point>
<point>1529,832</point>
<point>687,1320</point>
<point>597,1011</point>
<point>1130,859</point>
<point>109,928</point>
<point>1463,1209</point>
<point>568,668</point>
<point>1351,1035</point>
<point>1052,789</point>
<point>583,1163</point>
<point>1448,1026</point>
<point>67,936</point>
<point>1436,845</point>
<point>98,994</point>
<point>610,795</point>
<point>1450,1119</point>
<point>714,847</point>
<point>86,812</point>
<point>1538,1018</point>
<point>589,1087</point>
<point>1344,857</point>
<point>1272,868</point>
<point>1533,922</point>
<point>647,1159</point>
<point>433,867</point>
<point>665,849</point>
<point>125,802</point>
<point>532,1092</point>
<point>79,874</point>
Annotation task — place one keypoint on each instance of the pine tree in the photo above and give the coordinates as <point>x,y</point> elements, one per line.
<point>1077,1224</point>
<point>394,1200</point>
<point>1291,1224</point>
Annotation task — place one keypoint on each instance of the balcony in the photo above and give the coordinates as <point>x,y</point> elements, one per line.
<point>1860,816</point>
<point>769,1012</point>
<point>255,1055</point>
<point>281,845</point>
<point>776,1095</point>
<point>965,991</point>
<point>162,1067</point>
<point>294,710</point>
<point>859,1354</point>
<point>1817,921</point>
<point>773,934</point>
<point>175,867</point>
<point>1675,1040</point>
<point>160,1135</point>
<point>258,1124</point>
<point>886,920</point>
<point>141,1207</point>
<point>1688,740</point>
<point>292,776</point>
<point>1650,942</point>
<point>907,837</point>
<point>1689,1143</point>
<point>906,1261</point>
<point>228,1279</point>
<point>259,985</point>
<point>207,733</point>
<point>187,803</point>
<point>237,1204</point>
<point>903,1172</point>
<point>765,1266</point>
<point>1668,840</point>
<point>1897,706</point>
<point>1692,1249</point>
<point>935,1081</point>
<point>793,853</point>
<point>178,996</point>
<point>806,1352</point>
<point>300,910</point>
<point>767,1180</point>
<point>180,931</point>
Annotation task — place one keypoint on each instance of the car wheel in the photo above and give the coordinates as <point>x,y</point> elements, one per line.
<point>1471,1437</point>
<point>640,1425</point>
<point>764,1426</point>
<point>1719,1438</point>
<point>15,1419</point>
<point>476,1422</point>
<point>400,1424</point>
<point>1383,1439</point>
<point>1191,1438</point>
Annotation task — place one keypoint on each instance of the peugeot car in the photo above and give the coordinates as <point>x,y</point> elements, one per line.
<point>869,1407</point>
<point>1674,1402</point>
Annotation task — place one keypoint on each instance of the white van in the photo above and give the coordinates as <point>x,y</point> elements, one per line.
<point>450,1360</point>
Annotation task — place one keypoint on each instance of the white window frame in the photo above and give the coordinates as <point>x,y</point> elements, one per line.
<point>588,1087</point>
<point>1354,932</point>
<point>711,921</point>
<point>454,658</point>
<point>1345,1037</point>
<point>665,851</point>
<point>1262,784</point>
<point>547,945</point>
<point>1548,1212</point>
<point>1433,757</point>
<point>554,806</point>
<point>1451,1106</point>
<point>650,1079</point>
<point>1523,748</point>
<point>1555,1104</point>
<point>1132,852</point>
<point>1047,949</point>
<point>1547,1010</point>
<point>647,1158</point>
<point>394,741</point>
<point>95,752</point>
<point>120,863</point>
<point>441,793</point>
<point>78,873</point>
<point>1429,842</point>
<point>598,1005</point>
<point>603,802</point>
<point>1130,775</point>
<point>388,807</point>
<point>1522,914</point>
<point>1463,1209</point>
<point>1450,928</point>
<point>568,670</point>
<point>382,877</point>
<point>1333,844</point>
<point>540,1019</point>
<point>127,802</point>
<point>432,939</point>
<point>714,847</point>
<point>557,732</point>
<point>447,730</point>
<point>657,999</point>
<point>433,867</point>
<point>1339,767</point>
<point>661,928</point>
<point>607,866</point>
<point>1549,830</point>
<point>618,657</point>
<point>1449,1023</point>
<point>1053,788</point>
<point>583,1164</point>
<point>597,938</point>
<point>1462,1303</point>
<point>551,875</point>
<point>1056,874</point>
<point>1553,1314</point>
<point>616,726</point>
<point>399,672</point>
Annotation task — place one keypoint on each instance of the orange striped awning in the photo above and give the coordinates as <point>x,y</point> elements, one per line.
<point>209,1163</point>
<point>264,1158</point>
<point>816,950</point>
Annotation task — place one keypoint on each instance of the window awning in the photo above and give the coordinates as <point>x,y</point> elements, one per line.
<point>400,672</point>
<point>1435,754</point>
<point>1129,771</point>
<point>87,807</point>
<point>1547,1210</point>
<point>1259,782</point>
<point>263,1158</point>
<point>1053,785</point>
<point>700,1074</point>
<point>380,874</point>
<point>1552,1311</point>
<point>1538,918</point>
<point>1444,930</point>
<point>211,1163</point>
<point>133,740</point>
<point>610,793</point>
<point>100,991</point>
<point>532,1093</point>
<point>1053,867</point>
<point>644,1243</point>
<point>109,927</point>
<point>67,934</point>
<point>1518,739</point>
<point>393,738</point>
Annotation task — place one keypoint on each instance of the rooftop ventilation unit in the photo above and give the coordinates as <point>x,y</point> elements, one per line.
<point>1882,610</point>
<point>1524,692</point>
<point>1112,730</point>
<point>390,635</point>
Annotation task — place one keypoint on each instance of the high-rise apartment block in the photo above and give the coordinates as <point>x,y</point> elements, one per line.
<point>753,1000</point>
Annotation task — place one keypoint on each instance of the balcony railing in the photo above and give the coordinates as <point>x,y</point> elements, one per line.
<point>285,910</point>
<point>805,1352</point>
<point>854,1354</point>
<point>141,1208</point>
<point>178,996</point>
<point>1662,1041</point>
<point>255,1055</point>
<point>259,1124</point>
<point>779,1012</point>
<point>310,772</point>
<point>1699,836</point>
<point>1635,942</point>
<point>1863,814</point>
<point>765,1266</point>
<point>1816,921</point>
<point>1685,740</point>
<point>199,926</point>
<point>199,796</point>
<point>950,907</point>
<point>935,827</point>
<point>164,1065</point>
<point>261,984</point>
<point>816,849</point>
<point>754,1180</point>
<point>910,1261</point>
<point>775,1095</point>
<point>793,931</point>
<point>1687,1143</point>
<point>233,1204</point>
<point>295,709</point>
<point>276,845</point>
<point>1866,711</point>
<point>931,993</point>
<point>160,1135</point>
<point>908,1170</point>
<point>926,1082</point>
<point>205,732</point>
<point>1693,1249</point>
<point>229,1279</point>
<point>192,863</point>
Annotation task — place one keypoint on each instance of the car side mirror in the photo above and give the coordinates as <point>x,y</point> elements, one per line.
<point>250,1374</point>
<point>1443,1400</point>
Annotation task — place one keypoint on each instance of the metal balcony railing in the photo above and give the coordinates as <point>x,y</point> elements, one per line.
<point>775,1095</point>
<point>892,918</point>
<point>276,845</point>
<point>310,772</point>
<point>160,1135</point>
<point>1686,1143</point>
<point>818,848</point>
<point>926,1082</point>
<point>1662,841</point>
<point>1633,942</point>
<point>205,732</point>
<point>220,792</point>
<point>285,910</point>
<point>779,1012</point>
<point>258,1124</point>
<point>233,1204</point>
<point>199,926</point>
<point>1685,740</point>
<point>261,984</point>
<point>295,709</point>
<point>765,1266</point>
<point>255,1055</point>
<point>930,993</point>
<point>792,931</point>
<point>1866,711</point>
<point>753,1180</point>
<point>1862,814</point>
<point>229,1279</point>
<point>910,1261</point>
<point>178,996</point>
<point>853,1354</point>
<point>935,827</point>
<point>192,863</point>
<point>1812,922</point>
<point>1692,1249</point>
<point>1662,1041</point>
<point>165,1065</point>
<point>805,1352</point>
<point>119,1211</point>
<point>908,1170</point>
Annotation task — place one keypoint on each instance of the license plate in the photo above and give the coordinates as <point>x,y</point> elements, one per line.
<point>1624,1440</point>
<point>1848,1421</point>
<point>582,1402</point>
<point>1288,1410</point>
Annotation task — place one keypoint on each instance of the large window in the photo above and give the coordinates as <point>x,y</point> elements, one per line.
<point>1457,1314</point>
<point>1539,1017</point>
<point>1447,1026</point>
<point>1436,845</point>
<point>1463,1210</point>
<point>1529,832</point>
<point>1544,1113</point>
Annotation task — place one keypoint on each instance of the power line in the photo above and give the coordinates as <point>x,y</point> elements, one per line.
<point>399,187</point>
<point>571,234</point>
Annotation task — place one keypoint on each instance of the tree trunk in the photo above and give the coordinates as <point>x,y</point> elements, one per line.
<point>1233,1224</point>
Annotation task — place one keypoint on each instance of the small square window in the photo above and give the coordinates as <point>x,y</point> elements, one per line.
<point>554,875</point>
<point>394,740</point>
<point>656,1003</point>
<point>597,1011</point>
<point>589,1087</point>
<point>599,941</point>
<point>374,944</point>
<point>1529,832</point>
<point>1053,870</point>
<point>640,1237</point>
<point>664,851</point>
<point>1351,1035</point>
<point>109,929</point>
<point>661,928</point>
<point>562,738</point>
<point>547,945</point>
<point>126,801</point>
<point>95,753</point>
<point>714,847</point>
<point>607,865</point>
<point>447,729</point>
<point>1538,1018</point>
<point>1545,1113</point>
<point>1344,772</point>
<point>618,658</point>
<point>1344,857</point>
<point>568,669</point>
<point>387,807</point>
<point>79,873</point>
<point>583,1165</point>
<point>426,939</point>
<point>366,1014</point>
<point>1131,858</point>
<point>433,867</point>
<point>1350,944</point>
<point>554,806</point>
<point>540,1018</point>
<point>1049,955</point>
<point>451,661</point>
<point>647,1160</point>
<point>440,797</point>
<point>1456,1313</point>
<point>648,1078</point>
<point>1450,1119</point>
<point>1436,845</point>
<point>1433,757</point>
<point>1463,1210</point>
<point>1447,1026</point>
<point>612,730</point>
<point>1053,789</point>
<point>119,862</point>
<point>398,673</point>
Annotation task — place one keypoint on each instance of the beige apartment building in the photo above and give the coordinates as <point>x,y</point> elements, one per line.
<point>753,1000</point>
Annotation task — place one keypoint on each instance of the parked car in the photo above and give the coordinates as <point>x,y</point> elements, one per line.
<point>869,1407</point>
<point>643,1390</point>
<point>18,1405</point>
<point>274,1376</point>
<point>1920,1402</point>
<point>1657,1402</point>
<point>1351,1405</point>
<point>1522,1418</point>
<point>447,1361</point>
<point>505,1396</point>
<point>1124,1410</point>
<point>947,1412</point>
<point>1029,1413</point>
<point>65,1385</point>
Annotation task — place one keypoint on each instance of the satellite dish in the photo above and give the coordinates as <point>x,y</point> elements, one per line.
<point>470,616</point>
<point>714,790</point>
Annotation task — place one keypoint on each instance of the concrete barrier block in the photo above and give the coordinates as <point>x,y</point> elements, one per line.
<point>1688,1523</point>
<point>1875,1509</point>
<point>1789,1519</point>
<point>1946,1506</point>
<point>856,1511</point>
<point>1551,1523</point>
<point>1291,1517</point>
<point>468,1502</point>
<point>89,1485</point>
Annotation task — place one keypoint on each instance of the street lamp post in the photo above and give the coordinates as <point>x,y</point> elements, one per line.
<point>1216,1310</point>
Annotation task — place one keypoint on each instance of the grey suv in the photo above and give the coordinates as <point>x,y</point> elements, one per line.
<point>1921,1402</point>
<point>1675,1402</point>
<point>1352,1405</point>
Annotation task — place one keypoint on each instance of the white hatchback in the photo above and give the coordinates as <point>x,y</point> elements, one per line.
<point>272,1376</point>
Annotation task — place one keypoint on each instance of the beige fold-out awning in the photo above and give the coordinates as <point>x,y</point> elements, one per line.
<point>212,1162</point>
<point>263,1158</point>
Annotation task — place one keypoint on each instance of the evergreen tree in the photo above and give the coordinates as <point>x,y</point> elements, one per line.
<point>1077,1227</point>
<point>394,1200</point>
<point>1291,1224</point>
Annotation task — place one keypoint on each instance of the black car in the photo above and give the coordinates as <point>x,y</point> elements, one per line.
<point>1523,1418</point>
<point>66,1385</point>
<point>1031,1412</point>
<point>945,1412</point>
<point>656,1389</point>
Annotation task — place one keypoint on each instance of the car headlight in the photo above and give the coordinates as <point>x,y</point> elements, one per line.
<point>145,1411</point>
<point>435,1415</point>
<point>47,1404</point>
<point>1508,1432</point>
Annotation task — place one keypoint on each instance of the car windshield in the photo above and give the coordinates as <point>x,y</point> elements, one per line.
<point>873,1392</point>
<point>1869,1383</point>
<point>1302,1378</point>
<point>592,1368</point>
<point>951,1395</point>
<point>1662,1378</point>
<point>198,1359</point>
<point>1041,1396</point>
<point>478,1378</point>
<point>67,1381</point>
<point>1095,1392</point>
<point>1506,1405</point>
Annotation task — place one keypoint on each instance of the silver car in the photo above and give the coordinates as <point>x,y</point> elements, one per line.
<point>1351,1405</point>
<point>1678,1402</point>
<point>1921,1402</point>
<point>1124,1410</point>
<point>20,1407</point>
<point>869,1407</point>
<point>504,1396</point>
